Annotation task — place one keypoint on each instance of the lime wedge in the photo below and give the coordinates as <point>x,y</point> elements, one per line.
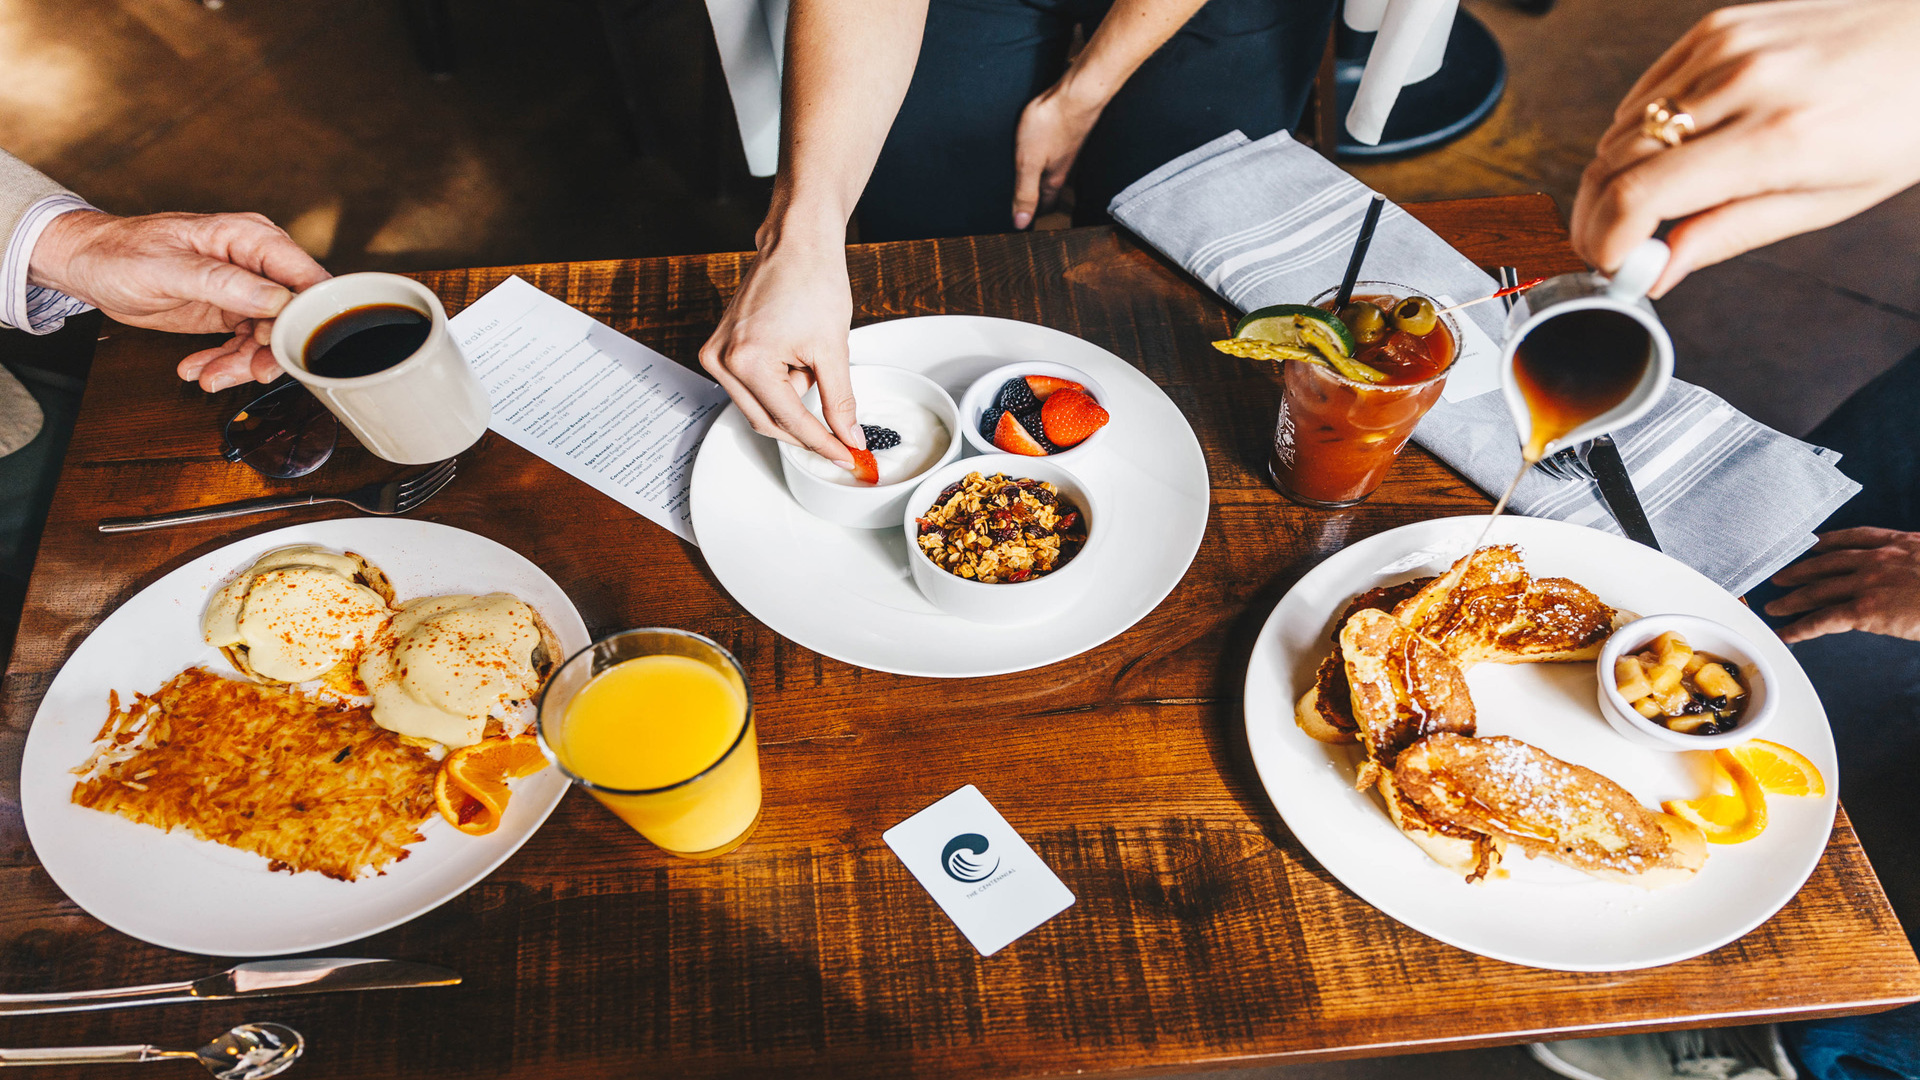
<point>1299,328</point>
<point>1299,325</point>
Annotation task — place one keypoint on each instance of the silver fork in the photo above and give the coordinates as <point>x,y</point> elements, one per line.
<point>391,497</point>
<point>1568,464</point>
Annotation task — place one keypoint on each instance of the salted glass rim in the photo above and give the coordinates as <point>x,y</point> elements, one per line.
<point>1453,327</point>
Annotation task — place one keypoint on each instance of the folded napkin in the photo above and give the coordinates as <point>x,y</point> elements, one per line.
<point>1410,48</point>
<point>1728,496</point>
<point>1273,222</point>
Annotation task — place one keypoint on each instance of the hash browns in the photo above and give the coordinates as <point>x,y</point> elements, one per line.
<point>309,783</point>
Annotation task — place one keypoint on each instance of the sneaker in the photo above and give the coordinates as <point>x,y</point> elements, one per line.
<point>1750,1053</point>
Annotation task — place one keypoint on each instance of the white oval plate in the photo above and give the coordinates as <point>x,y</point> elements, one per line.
<point>1545,915</point>
<point>846,593</point>
<point>193,895</point>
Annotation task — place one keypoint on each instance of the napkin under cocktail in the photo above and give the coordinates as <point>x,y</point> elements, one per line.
<point>1272,222</point>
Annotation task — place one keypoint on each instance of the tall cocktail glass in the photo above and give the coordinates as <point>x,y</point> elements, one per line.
<point>658,725</point>
<point>1336,437</point>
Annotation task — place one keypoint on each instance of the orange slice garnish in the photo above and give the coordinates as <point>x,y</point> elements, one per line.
<point>1781,770</point>
<point>471,787</point>
<point>1734,812</point>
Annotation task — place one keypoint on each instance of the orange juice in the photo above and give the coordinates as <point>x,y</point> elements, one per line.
<point>660,741</point>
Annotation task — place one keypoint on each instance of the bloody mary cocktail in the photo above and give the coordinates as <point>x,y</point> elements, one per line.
<point>1337,436</point>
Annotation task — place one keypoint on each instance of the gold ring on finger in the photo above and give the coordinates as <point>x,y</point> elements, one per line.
<point>1666,122</point>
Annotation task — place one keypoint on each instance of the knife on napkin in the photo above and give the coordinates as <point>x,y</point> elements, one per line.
<point>255,979</point>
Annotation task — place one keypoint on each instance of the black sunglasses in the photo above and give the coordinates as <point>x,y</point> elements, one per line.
<point>282,434</point>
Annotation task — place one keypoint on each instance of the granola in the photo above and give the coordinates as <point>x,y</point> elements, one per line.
<point>998,529</point>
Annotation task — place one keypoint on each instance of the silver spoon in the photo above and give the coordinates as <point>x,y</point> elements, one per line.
<point>248,1052</point>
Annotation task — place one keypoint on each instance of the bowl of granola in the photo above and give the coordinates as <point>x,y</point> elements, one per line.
<point>912,426</point>
<point>1002,538</point>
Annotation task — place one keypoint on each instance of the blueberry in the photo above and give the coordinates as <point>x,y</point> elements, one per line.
<point>880,438</point>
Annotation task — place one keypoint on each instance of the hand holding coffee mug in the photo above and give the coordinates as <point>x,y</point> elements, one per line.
<point>1586,355</point>
<point>375,349</point>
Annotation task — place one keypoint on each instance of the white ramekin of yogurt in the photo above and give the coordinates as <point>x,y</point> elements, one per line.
<point>909,405</point>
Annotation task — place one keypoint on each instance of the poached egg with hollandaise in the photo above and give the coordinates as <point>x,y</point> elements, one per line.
<point>447,664</point>
<point>297,613</point>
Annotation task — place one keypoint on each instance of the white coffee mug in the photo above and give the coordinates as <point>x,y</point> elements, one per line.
<point>425,408</point>
<point>1625,291</point>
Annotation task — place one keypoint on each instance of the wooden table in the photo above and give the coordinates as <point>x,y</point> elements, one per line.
<point>1203,933</point>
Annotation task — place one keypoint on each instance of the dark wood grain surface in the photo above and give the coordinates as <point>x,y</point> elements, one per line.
<point>1203,933</point>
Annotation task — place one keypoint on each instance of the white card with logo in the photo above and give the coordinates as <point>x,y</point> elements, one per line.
<point>988,881</point>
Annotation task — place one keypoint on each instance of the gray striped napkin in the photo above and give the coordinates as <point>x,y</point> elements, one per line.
<point>1272,222</point>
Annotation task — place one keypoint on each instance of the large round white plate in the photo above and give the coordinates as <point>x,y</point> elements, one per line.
<point>197,896</point>
<point>846,593</point>
<point>1544,915</point>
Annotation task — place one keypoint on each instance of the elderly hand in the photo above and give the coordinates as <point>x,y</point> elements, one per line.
<point>1053,127</point>
<point>786,330</point>
<point>185,273</point>
<point>1806,112</point>
<point>1856,579</point>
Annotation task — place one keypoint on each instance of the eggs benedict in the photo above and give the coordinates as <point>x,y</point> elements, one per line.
<point>297,613</point>
<point>448,664</point>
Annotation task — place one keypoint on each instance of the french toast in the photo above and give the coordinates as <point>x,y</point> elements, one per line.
<point>1326,710</point>
<point>1403,687</point>
<point>1448,791</point>
<point>1485,609</point>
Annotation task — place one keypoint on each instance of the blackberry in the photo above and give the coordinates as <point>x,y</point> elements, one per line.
<point>990,420</point>
<point>880,438</point>
<point>1016,397</point>
<point>1031,421</point>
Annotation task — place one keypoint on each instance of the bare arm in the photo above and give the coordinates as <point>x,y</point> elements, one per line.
<point>848,66</point>
<point>1055,125</point>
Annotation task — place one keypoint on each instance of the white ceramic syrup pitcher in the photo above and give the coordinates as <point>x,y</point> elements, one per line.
<point>1625,292</point>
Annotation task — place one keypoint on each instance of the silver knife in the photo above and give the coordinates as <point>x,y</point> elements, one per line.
<point>260,978</point>
<point>1616,487</point>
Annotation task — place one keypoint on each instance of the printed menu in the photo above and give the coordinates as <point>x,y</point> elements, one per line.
<point>608,410</point>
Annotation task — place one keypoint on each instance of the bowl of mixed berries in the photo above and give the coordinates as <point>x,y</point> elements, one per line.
<point>1034,409</point>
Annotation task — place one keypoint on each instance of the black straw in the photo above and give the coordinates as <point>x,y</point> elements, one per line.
<point>1359,251</point>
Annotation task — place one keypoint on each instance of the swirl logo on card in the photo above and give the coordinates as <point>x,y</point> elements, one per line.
<point>964,861</point>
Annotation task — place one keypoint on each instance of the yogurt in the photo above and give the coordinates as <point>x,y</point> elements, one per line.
<point>923,438</point>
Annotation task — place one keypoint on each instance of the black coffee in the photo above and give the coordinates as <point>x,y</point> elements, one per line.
<point>366,339</point>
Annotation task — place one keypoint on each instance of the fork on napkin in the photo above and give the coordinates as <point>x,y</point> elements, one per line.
<point>1272,222</point>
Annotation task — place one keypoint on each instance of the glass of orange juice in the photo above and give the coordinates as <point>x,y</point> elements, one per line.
<point>658,725</point>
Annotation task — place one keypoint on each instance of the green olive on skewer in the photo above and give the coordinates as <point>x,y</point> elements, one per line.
<point>1416,315</point>
<point>1366,320</point>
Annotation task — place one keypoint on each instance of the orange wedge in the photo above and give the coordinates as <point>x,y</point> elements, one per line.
<point>471,788</point>
<point>1734,812</point>
<point>1781,770</point>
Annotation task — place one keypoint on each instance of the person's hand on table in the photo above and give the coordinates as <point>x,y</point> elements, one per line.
<point>184,273</point>
<point>786,330</point>
<point>1854,579</point>
<point>1806,112</point>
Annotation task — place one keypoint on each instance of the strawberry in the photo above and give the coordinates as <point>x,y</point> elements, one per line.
<point>865,469</point>
<point>1069,416</point>
<point>1009,436</point>
<point>1044,386</point>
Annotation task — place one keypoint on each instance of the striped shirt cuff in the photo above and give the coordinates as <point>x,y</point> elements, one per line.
<point>32,308</point>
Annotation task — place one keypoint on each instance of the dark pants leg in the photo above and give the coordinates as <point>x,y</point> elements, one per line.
<point>947,167</point>
<point>1237,65</point>
<point>1870,687</point>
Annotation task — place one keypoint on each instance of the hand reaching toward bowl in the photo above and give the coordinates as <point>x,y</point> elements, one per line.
<point>1854,579</point>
